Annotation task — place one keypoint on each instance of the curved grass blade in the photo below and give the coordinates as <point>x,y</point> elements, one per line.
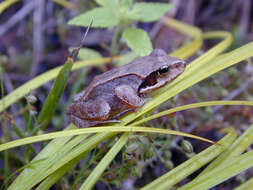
<point>188,167</point>
<point>90,130</point>
<point>192,106</point>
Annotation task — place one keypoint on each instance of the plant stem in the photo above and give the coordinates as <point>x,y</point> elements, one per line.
<point>114,49</point>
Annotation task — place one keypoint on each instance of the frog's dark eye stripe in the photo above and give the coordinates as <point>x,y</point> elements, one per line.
<point>163,69</point>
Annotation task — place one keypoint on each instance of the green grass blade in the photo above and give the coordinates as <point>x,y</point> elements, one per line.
<point>55,94</point>
<point>192,106</point>
<point>227,170</point>
<point>55,176</point>
<point>238,147</point>
<point>103,164</point>
<point>42,169</point>
<point>90,130</point>
<point>188,167</point>
<point>53,147</point>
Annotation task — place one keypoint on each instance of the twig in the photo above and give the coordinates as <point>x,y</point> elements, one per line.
<point>75,51</point>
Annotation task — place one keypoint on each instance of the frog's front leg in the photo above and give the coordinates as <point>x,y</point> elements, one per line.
<point>129,96</point>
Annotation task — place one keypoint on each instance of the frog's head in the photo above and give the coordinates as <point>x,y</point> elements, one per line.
<point>165,70</point>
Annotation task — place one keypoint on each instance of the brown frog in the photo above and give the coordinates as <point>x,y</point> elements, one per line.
<point>123,89</point>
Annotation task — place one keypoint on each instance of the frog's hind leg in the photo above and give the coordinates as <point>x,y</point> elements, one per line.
<point>90,110</point>
<point>87,123</point>
<point>97,110</point>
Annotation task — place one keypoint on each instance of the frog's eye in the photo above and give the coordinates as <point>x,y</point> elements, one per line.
<point>163,70</point>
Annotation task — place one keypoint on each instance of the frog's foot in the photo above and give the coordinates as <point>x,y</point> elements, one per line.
<point>129,96</point>
<point>87,123</point>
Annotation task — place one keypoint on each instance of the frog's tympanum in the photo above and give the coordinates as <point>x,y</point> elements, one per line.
<point>123,89</point>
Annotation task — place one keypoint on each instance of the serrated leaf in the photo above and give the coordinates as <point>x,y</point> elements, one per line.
<point>138,41</point>
<point>87,54</point>
<point>102,18</point>
<point>149,12</point>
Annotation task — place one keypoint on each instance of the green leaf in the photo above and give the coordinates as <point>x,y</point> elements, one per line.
<point>138,41</point>
<point>87,54</point>
<point>102,18</point>
<point>150,12</point>
<point>112,5</point>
